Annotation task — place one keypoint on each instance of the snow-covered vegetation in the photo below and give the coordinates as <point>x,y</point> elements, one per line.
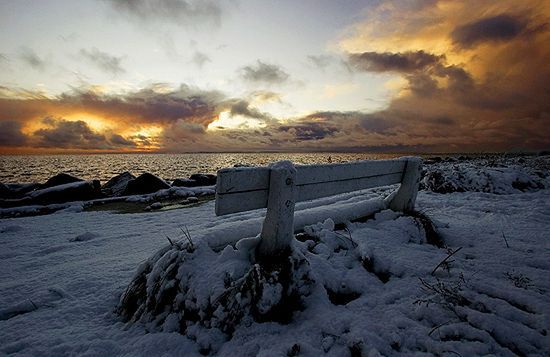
<point>370,287</point>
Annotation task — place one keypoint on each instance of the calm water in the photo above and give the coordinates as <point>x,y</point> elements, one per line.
<point>38,168</point>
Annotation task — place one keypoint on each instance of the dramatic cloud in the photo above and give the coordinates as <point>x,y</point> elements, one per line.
<point>264,72</point>
<point>29,57</point>
<point>10,133</point>
<point>103,60</point>
<point>476,74</point>
<point>178,12</point>
<point>309,131</point>
<point>119,140</point>
<point>154,104</point>
<point>242,107</point>
<point>497,28</point>
<point>68,134</point>
<point>61,133</point>
<point>398,62</point>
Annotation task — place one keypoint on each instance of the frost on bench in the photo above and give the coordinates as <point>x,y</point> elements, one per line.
<point>279,186</point>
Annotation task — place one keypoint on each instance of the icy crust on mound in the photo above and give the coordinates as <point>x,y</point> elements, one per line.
<point>374,288</point>
<point>205,295</point>
<point>495,175</point>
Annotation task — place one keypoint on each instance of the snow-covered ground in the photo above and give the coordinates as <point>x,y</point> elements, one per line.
<point>62,275</point>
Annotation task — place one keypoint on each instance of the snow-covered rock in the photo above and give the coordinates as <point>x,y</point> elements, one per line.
<point>145,183</point>
<point>74,191</point>
<point>60,179</point>
<point>498,175</point>
<point>116,185</point>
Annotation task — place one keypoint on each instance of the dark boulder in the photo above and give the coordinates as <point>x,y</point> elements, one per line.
<point>145,183</point>
<point>61,179</point>
<point>185,183</point>
<point>5,191</point>
<point>204,179</point>
<point>21,189</point>
<point>116,185</point>
<point>74,191</point>
<point>435,159</point>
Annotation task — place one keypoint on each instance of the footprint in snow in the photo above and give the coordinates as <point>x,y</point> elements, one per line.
<point>84,237</point>
<point>45,298</point>
<point>8,229</point>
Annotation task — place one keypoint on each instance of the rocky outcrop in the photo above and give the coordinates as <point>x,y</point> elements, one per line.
<point>74,191</point>
<point>116,185</point>
<point>69,192</point>
<point>145,183</point>
<point>196,180</point>
<point>204,179</point>
<point>61,179</point>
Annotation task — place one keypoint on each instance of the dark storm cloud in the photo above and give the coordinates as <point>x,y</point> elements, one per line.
<point>178,12</point>
<point>405,62</point>
<point>264,72</point>
<point>149,105</point>
<point>496,28</point>
<point>304,131</point>
<point>68,134</point>
<point>104,61</point>
<point>119,140</point>
<point>10,133</point>
<point>242,107</point>
<point>29,57</point>
<point>422,70</point>
<point>375,123</point>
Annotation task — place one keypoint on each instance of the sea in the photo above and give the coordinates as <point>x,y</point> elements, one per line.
<point>38,168</point>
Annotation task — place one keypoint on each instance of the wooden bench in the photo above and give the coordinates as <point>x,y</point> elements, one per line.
<point>279,186</point>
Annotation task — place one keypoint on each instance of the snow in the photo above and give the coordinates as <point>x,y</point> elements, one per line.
<point>62,276</point>
<point>59,188</point>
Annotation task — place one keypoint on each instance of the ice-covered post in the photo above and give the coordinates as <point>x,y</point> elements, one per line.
<point>405,197</point>
<point>278,226</point>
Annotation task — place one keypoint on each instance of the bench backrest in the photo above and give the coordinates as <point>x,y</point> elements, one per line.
<point>281,185</point>
<point>246,188</point>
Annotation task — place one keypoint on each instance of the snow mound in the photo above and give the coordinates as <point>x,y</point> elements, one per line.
<point>205,295</point>
<point>499,175</point>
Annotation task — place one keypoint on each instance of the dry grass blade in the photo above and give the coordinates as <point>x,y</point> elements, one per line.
<point>445,260</point>
<point>187,236</point>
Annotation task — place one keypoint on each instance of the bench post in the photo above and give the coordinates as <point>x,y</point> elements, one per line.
<point>405,197</point>
<point>278,227</point>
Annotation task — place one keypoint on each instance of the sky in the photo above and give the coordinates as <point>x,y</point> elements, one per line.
<point>313,75</point>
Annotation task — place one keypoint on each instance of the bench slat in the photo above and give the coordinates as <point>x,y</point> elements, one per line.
<point>324,189</point>
<point>312,174</point>
<point>243,189</point>
<point>244,179</point>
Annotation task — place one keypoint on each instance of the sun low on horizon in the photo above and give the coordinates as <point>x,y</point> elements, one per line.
<point>125,76</point>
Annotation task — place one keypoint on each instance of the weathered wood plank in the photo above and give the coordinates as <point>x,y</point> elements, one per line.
<point>278,227</point>
<point>312,174</point>
<point>233,202</point>
<point>312,191</point>
<point>244,179</point>
<point>240,201</point>
<point>405,197</point>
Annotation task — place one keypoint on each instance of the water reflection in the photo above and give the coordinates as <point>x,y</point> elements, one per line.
<point>38,168</point>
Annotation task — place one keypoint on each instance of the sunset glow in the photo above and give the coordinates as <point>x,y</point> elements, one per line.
<point>411,76</point>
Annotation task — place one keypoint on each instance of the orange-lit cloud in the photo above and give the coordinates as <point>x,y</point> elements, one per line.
<point>476,73</point>
<point>466,76</point>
